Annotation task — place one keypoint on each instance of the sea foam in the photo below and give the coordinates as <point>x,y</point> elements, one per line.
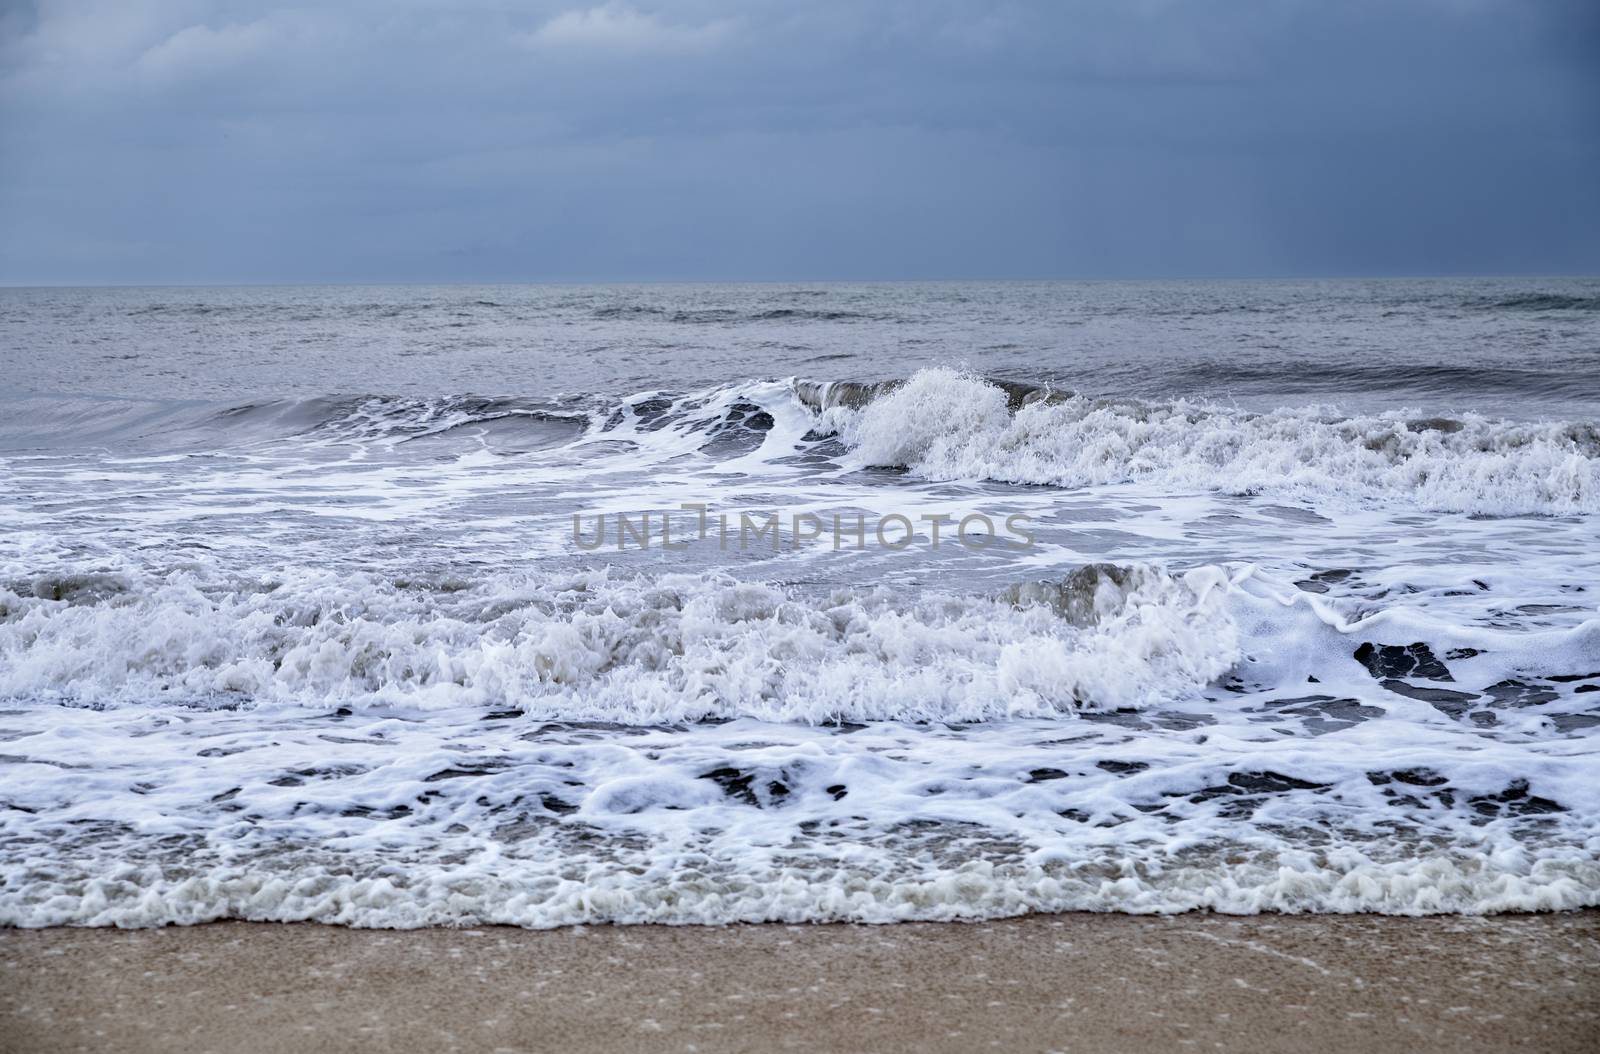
<point>594,646</point>
<point>949,425</point>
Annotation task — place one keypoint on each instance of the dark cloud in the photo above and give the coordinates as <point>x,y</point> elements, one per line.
<point>209,140</point>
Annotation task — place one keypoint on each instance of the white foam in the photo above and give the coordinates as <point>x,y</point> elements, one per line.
<point>390,820</point>
<point>588,646</point>
<point>419,806</point>
<point>949,425</point>
<point>534,896</point>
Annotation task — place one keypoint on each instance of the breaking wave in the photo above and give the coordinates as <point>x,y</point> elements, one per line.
<point>948,425</point>
<point>630,650</point>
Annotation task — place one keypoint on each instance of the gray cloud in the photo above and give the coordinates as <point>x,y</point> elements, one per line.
<point>210,140</point>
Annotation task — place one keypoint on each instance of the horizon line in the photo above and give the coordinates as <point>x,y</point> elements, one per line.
<point>464,283</point>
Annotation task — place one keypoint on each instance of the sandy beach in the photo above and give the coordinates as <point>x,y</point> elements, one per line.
<point>1070,982</point>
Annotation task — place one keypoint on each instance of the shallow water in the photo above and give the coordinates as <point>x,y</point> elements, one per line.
<point>1250,596</point>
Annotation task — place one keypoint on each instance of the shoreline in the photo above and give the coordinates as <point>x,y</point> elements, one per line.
<point>1323,983</point>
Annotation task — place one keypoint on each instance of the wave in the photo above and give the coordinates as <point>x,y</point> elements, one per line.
<point>949,425</point>
<point>676,648</point>
<point>1441,382</point>
<point>939,423</point>
<point>396,419</point>
<point>60,422</point>
<point>1536,302</point>
<point>689,647</point>
<point>312,308</point>
<point>728,315</point>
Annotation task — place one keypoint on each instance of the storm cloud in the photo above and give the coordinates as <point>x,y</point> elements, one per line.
<point>375,140</point>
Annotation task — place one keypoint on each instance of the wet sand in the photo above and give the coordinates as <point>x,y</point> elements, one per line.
<point>1067,982</point>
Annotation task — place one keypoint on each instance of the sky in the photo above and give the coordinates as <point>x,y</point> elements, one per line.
<point>223,141</point>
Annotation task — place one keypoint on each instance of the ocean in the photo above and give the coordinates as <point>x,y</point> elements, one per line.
<point>541,605</point>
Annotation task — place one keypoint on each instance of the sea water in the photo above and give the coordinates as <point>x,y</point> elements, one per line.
<point>398,606</point>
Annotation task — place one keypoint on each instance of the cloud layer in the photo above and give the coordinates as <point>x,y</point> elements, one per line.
<point>222,140</point>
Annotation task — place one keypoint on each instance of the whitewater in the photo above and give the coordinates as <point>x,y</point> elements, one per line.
<point>297,622</point>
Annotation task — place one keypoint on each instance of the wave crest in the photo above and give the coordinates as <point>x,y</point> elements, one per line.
<point>948,425</point>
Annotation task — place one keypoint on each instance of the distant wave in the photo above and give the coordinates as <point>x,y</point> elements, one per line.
<point>714,315</point>
<point>1442,382</point>
<point>1536,302</point>
<point>802,305</point>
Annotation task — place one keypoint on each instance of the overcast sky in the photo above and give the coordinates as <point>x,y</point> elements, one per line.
<point>407,140</point>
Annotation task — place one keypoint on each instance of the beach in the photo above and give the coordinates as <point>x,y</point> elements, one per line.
<point>1080,981</point>
<point>845,667</point>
